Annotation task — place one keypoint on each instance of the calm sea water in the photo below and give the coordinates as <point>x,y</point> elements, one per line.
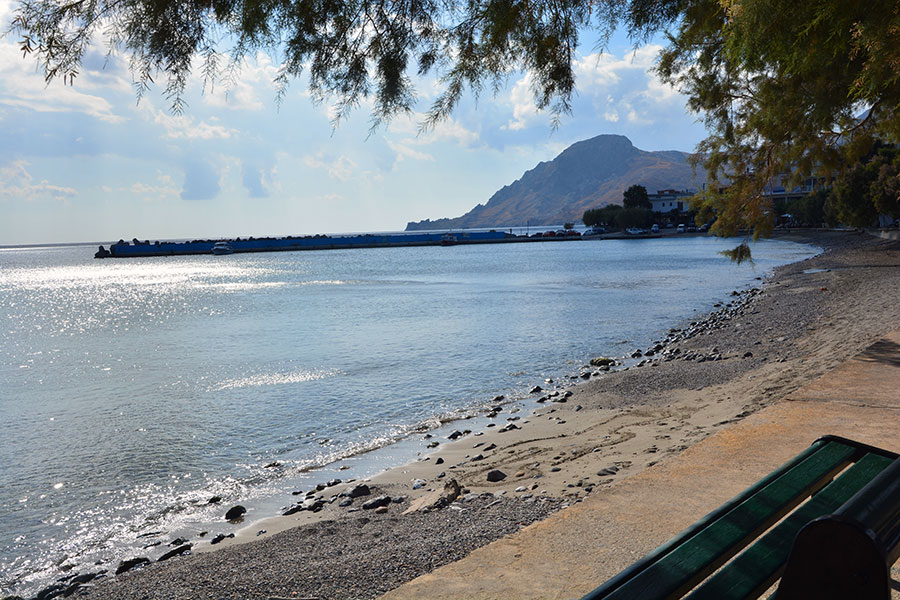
<point>133,390</point>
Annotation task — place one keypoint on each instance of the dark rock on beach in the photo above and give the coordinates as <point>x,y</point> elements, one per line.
<point>235,512</point>
<point>175,552</point>
<point>357,491</point>
<point>377,502</point>
<point>87,577</point>
<point>51,591</point>
<point>127,565</point>
<point>220,537</point>
<point>496,475</point>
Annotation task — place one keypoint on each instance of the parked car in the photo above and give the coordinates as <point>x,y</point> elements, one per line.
<point>572,233</point>
<point>680,229</point>
<point>634,231</point>
<point>654,229</point>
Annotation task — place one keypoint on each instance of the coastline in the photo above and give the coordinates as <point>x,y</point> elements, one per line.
<point>611,427</point>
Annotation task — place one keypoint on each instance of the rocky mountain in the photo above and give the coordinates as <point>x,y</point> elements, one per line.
<point>587,174</point>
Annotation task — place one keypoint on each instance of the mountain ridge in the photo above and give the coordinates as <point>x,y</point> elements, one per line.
<point>588,174</point>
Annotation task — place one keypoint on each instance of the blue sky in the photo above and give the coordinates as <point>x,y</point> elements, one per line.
<point>90,163</point>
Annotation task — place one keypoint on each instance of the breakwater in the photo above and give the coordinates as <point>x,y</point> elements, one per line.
<point>138,248</point>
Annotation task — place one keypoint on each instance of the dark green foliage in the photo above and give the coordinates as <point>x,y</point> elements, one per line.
<point>739,253</point>
<point>636,197</point>
<point>601,216</point>
<point>869,188</point>
<point>781,86</point>
<point>568,225</point>
<point>349,50</point>
<point>808,211</point>
<point>633,217</point>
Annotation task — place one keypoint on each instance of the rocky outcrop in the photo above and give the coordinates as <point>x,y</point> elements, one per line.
<point>587,174</point>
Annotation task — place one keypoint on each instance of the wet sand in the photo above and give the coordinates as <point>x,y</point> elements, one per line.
<point>809,318</point>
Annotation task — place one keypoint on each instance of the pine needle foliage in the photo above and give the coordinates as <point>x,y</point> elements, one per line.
<point>786,89</point>
<point>349,51</point>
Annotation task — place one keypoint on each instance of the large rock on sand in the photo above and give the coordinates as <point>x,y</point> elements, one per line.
<point>496,475</point>
<point>377,502</point>
<point>356,491</point>
<point>437,498</point>
<point>235,512</point>
<point>127,565</point>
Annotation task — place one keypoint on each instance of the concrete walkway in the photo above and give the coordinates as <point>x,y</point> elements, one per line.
<point>577,549</point>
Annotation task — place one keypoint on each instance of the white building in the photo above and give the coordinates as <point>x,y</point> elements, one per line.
<point>665,201</point>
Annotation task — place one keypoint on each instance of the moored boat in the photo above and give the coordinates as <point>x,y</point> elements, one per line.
<point>220,248</point>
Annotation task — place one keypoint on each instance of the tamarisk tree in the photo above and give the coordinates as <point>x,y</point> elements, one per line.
<point>797,88</point>
<point>349,50</point>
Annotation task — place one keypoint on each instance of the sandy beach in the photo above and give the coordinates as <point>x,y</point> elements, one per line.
<point>590,434</point>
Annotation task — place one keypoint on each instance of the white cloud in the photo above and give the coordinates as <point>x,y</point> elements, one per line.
<point>661,93</point>
<point>635,118</point>
<point>618,87</point>
<point>185,127</point>
<point>446,130</point>
<point>403,152</point>
<point>451,130</point>
<point>21,86</point>
<point>341,168</point>
<point>241,91</point>
<point>164,187</point>
<point>521,98</point>
<point>16,182</point>
<point>598,70</point>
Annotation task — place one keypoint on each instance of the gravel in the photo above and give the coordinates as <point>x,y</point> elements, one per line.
<point>357,558</point>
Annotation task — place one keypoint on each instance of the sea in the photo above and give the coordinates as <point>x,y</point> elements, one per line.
<point>134,390</point>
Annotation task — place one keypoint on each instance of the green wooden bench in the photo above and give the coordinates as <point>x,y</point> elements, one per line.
<point>840,501</point>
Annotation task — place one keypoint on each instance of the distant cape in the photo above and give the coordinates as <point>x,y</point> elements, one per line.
<point>587,174</point>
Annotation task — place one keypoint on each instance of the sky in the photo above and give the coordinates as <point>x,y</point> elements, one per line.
<point>91,163</point>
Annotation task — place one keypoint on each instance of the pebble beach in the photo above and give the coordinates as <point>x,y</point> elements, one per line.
<point>360,539</point>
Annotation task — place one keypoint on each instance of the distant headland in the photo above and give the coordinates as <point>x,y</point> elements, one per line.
<point>588,174</point>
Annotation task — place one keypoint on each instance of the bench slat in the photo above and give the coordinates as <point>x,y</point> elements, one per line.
<point>632,571</point>
<point>691,562</point>
<point>758,567</point>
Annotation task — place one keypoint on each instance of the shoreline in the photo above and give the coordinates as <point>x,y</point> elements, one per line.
<point>612,426</point>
